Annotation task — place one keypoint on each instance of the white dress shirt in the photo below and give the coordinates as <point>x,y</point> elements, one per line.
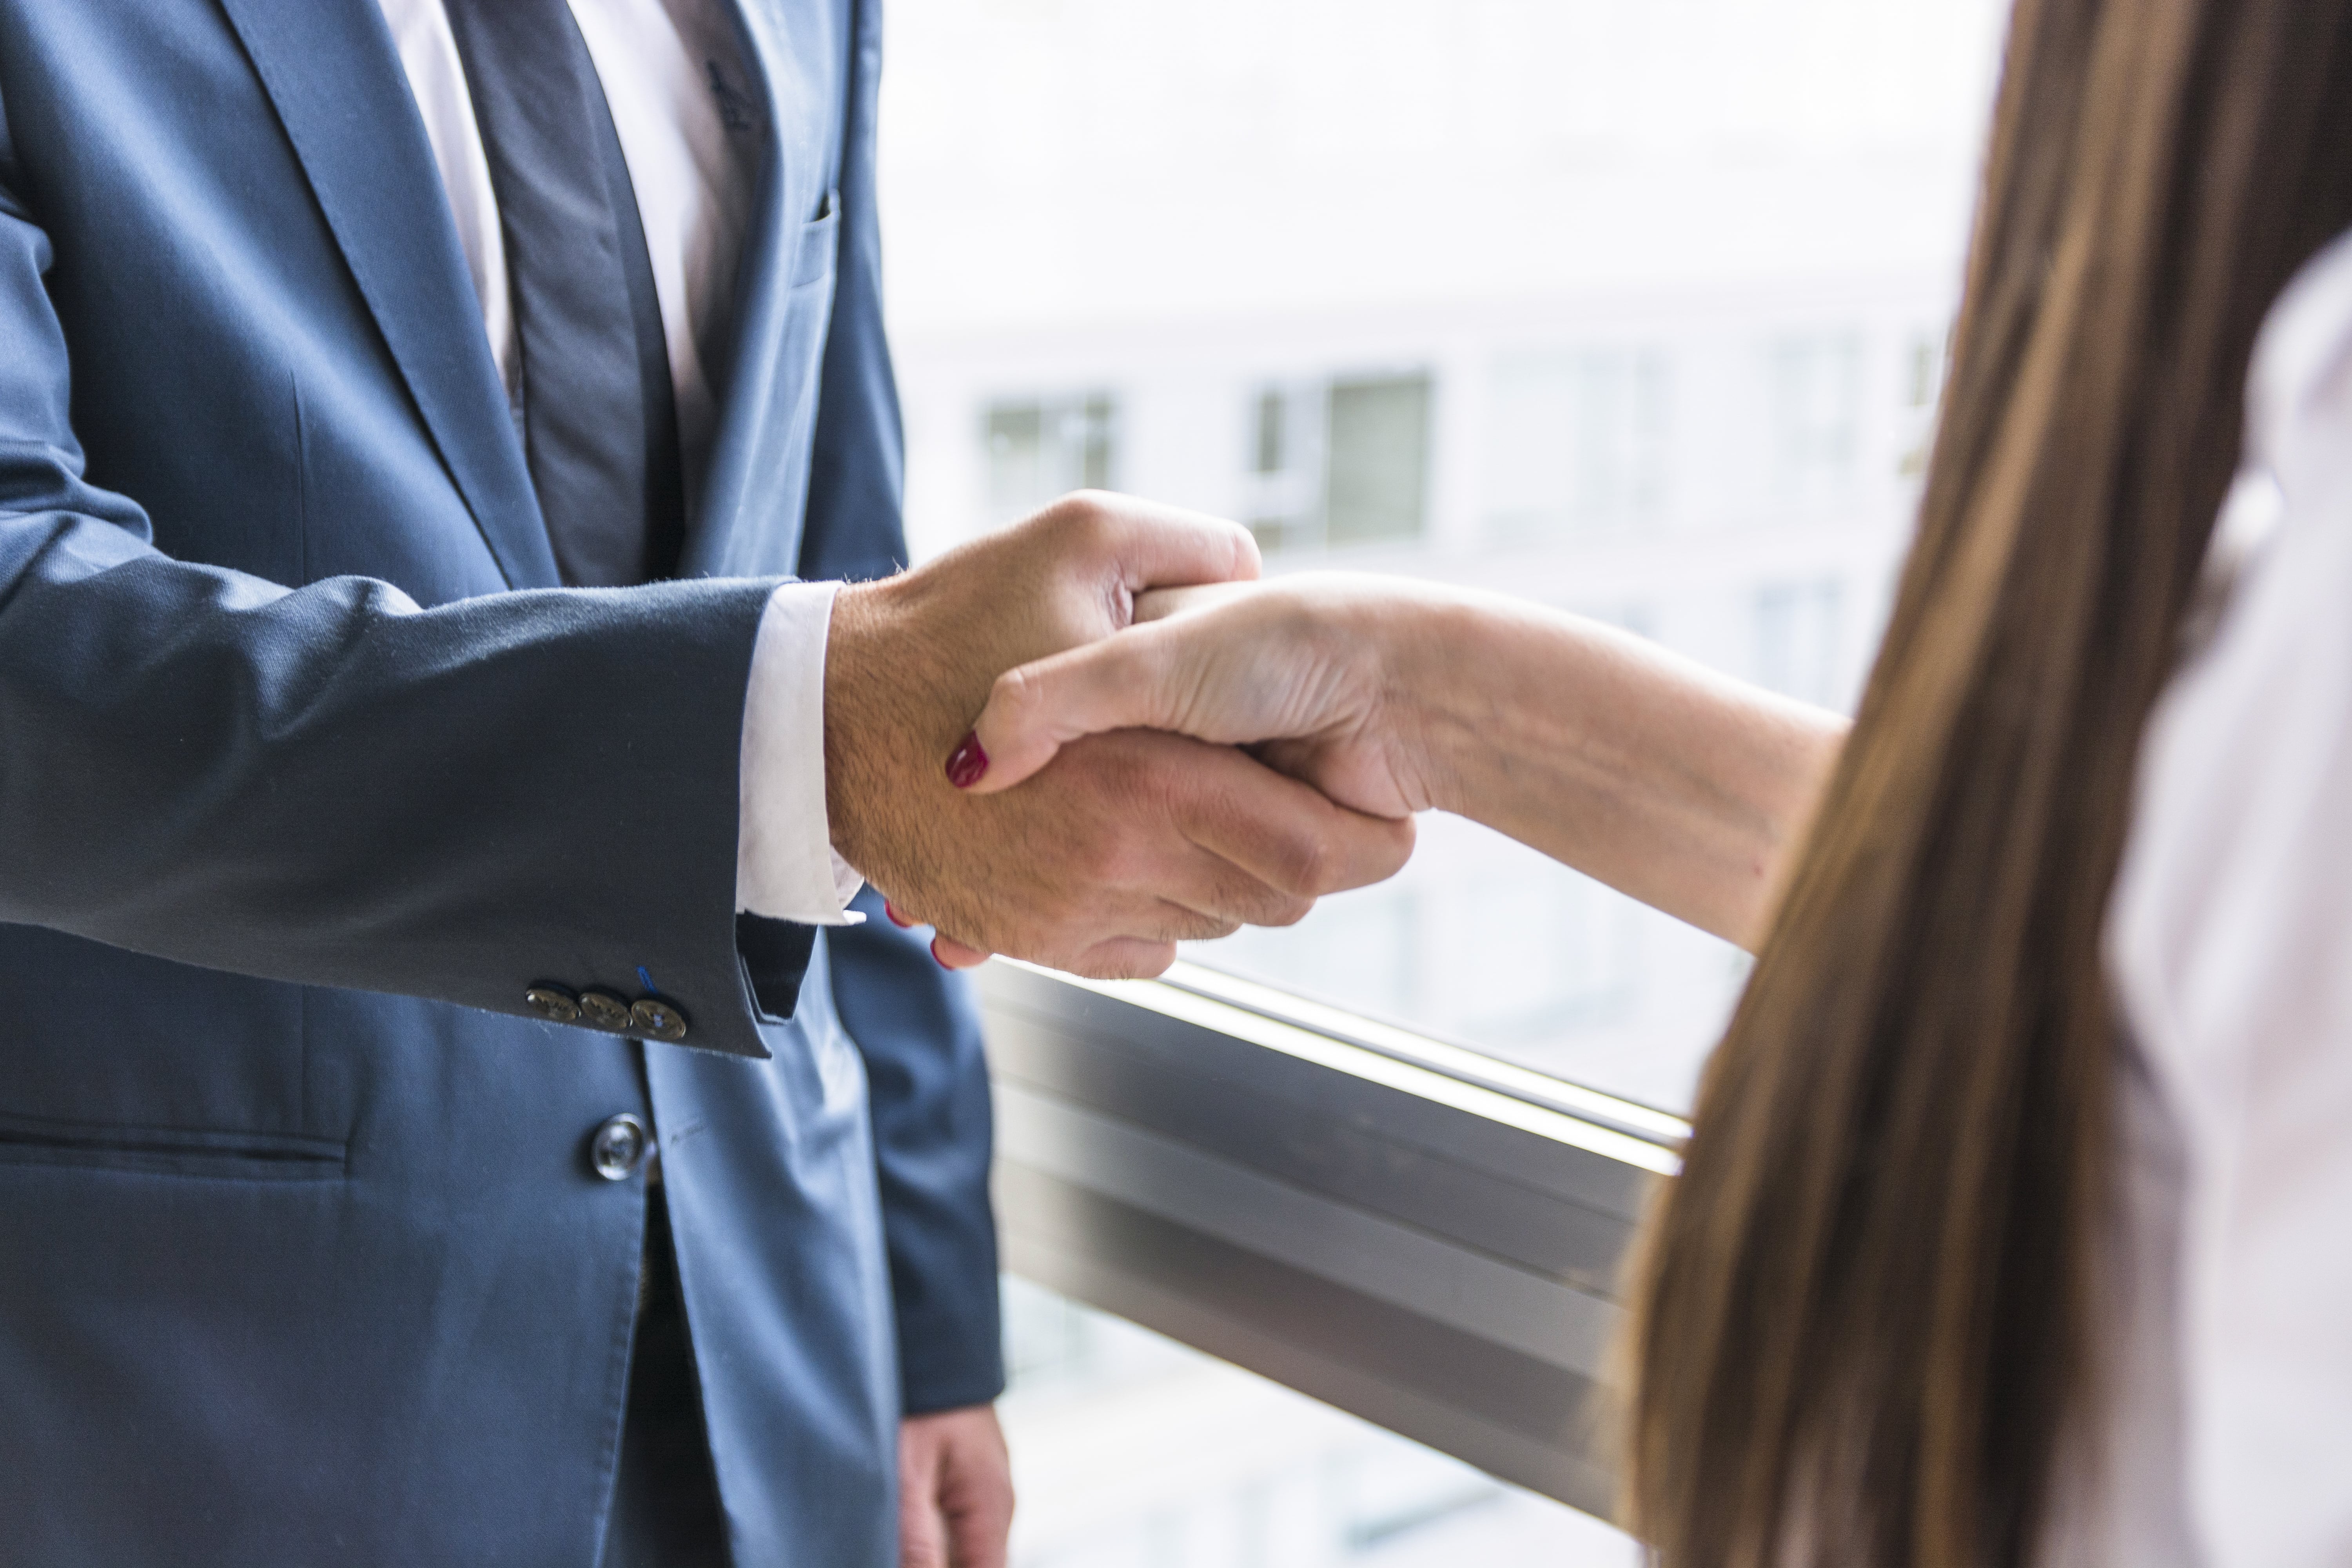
<point>674,80</point>
<point>2226,1440</point>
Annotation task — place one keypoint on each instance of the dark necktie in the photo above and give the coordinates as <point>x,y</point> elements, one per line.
<point>594,401</point>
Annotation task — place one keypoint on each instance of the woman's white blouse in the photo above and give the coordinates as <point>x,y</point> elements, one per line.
<point>2226,1437</point>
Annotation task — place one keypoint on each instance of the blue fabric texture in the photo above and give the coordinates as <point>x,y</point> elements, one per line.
<point>308,768</point>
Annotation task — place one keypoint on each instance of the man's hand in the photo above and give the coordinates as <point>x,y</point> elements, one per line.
<point>955,1491</point>
<point>1127,843</point>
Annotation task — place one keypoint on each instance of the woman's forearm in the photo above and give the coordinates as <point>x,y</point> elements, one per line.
<point>1682,787</point>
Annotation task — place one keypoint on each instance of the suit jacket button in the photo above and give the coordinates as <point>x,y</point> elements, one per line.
<point>618,1146</point>
<point>603,1010</point>
<point>554,1002</point>
<point>657,1019</point>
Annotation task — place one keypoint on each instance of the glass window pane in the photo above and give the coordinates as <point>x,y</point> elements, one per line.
<point>1573,300</point>
<point>1630,310</point>
<point>1131,1451</point>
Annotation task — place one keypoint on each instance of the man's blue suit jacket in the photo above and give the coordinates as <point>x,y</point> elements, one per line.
<point>305,777</point>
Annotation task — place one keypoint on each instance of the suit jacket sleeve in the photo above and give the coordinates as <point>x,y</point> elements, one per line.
<point>914,1021</point>
<point>928,1076</point>
<point>331,785</point>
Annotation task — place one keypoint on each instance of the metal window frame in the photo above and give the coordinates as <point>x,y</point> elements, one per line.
<point>1419,1234</point>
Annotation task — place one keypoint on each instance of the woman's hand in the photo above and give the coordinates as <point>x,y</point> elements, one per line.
<point>1663,779</point>
<point>1307,672</point>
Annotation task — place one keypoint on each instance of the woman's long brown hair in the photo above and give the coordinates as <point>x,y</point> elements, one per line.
<point>1865,1315</point>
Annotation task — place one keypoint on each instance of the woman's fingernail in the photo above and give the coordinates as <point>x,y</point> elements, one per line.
<point>967,763</point>
<point>943,963</point>
<point>901,921</point>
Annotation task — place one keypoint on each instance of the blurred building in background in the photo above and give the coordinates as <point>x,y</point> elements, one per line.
<point>1640,311</point>
<point>1728,467</point>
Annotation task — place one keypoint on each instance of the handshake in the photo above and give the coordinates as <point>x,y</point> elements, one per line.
<point>1032,743</point>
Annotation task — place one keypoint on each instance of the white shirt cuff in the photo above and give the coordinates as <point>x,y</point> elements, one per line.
<point>785,868</point>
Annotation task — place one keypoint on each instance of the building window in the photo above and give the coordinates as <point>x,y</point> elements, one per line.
<point>1926,372</point>
<point>1376,460</point>
<point>1815,388</point>
<point>1578,445</point>
<point>1039,449</point>
<point>1924,391</point>
<point>1797,641</point>
<point>1339,463</point>
<point>1267,446</point>
<point>1284,501</point>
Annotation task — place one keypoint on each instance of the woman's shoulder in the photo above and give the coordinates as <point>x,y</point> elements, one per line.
<point>2244,790</point>
<point>2299,390</point>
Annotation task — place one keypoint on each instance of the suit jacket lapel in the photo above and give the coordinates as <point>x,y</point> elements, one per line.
<point>338,89</point>
<point>738,528</point>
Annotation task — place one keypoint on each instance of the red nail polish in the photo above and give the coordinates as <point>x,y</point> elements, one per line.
<point>967,764</point>
<point>901,921</point>
<point>943,963</point>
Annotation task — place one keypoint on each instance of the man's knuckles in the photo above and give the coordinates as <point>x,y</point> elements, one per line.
<point>1308,864</point>
<point>1339,850</point>
<point>1082,530</point>
<point>1242,893</point>
<point>1290,837</point>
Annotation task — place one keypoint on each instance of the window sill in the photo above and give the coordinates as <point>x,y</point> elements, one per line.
<point>1398,1228</point>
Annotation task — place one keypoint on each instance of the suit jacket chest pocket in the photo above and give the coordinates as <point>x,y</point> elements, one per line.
<point>808,319</point>
<point>757,485</point>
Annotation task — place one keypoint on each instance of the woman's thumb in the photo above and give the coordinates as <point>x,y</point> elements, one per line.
<point>1034,711</point>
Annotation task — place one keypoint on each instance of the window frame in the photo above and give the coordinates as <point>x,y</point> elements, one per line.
<point>1420,1235</point>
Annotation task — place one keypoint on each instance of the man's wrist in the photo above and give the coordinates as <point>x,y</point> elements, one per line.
<point>877,689</point>
<point>857,611</point>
